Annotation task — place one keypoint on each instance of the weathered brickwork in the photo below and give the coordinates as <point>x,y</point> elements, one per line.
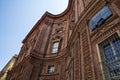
<point>87,57</point>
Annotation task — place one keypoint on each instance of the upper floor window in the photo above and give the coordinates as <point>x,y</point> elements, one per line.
<point>58,31</point>
<point>55,47</point>
<point>51,69</point>
<point>98,19</point>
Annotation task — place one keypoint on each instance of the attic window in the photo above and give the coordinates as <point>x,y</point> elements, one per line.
<point>98,19</point>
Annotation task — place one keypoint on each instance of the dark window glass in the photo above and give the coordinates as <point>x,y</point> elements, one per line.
<point>109,55</point>
<point>58,31</point>
<point>100,17</point>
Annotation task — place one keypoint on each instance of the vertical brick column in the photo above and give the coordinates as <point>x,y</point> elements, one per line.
<point>87,61</point>
<point>28,71</point>
<point>40,39</point>
<point>76,62</point>
<point>62,70</point>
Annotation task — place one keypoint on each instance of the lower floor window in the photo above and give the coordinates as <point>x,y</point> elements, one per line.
<point>51,69</point>
<point>110,56</point>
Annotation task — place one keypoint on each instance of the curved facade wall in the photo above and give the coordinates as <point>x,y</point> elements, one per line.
<point>66,47</point>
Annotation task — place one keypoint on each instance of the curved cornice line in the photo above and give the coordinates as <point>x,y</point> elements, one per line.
<point>47,14</point>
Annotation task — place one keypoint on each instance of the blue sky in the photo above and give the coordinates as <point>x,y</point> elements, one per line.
<point>17,17</point>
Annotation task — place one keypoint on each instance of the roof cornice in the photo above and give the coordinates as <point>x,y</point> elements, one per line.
<point>49,15</point>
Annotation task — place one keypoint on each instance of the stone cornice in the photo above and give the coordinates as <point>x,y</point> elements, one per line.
<point>57,57</point>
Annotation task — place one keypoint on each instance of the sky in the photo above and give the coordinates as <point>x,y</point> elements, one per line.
<point>17,17</point>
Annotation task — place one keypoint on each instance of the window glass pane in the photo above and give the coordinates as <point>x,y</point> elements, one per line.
<point>54,50</point>
<point>55,45</point>
<point>116,46</point>
<point>114,70</point>
<point>109,55</point>
<point>104,10</point>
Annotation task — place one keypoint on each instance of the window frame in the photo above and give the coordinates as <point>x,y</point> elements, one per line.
<point>54,49</point>
<point>59,45</point>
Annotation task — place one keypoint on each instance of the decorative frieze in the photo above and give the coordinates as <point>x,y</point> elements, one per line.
<point>105,32</point>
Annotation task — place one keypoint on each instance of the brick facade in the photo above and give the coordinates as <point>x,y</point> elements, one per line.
<point>78,56</point>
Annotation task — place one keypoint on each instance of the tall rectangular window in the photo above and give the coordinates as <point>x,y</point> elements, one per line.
<point>98,19</point>
<point>51,69</point>
<point>55,47</point>
<point>110,56</point>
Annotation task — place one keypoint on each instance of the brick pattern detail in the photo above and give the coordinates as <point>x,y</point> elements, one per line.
<point>117,2</point>
<point>86,56</point>
<point>40,41</point>
<point>86,2</point>
<point>76,62</point>
<point>62,74</point>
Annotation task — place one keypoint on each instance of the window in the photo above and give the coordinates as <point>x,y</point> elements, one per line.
<point>100,17</point>
<point>55,46</point>
<point>51,69</point>
<point>110,55</point>
<point>58,31</point>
